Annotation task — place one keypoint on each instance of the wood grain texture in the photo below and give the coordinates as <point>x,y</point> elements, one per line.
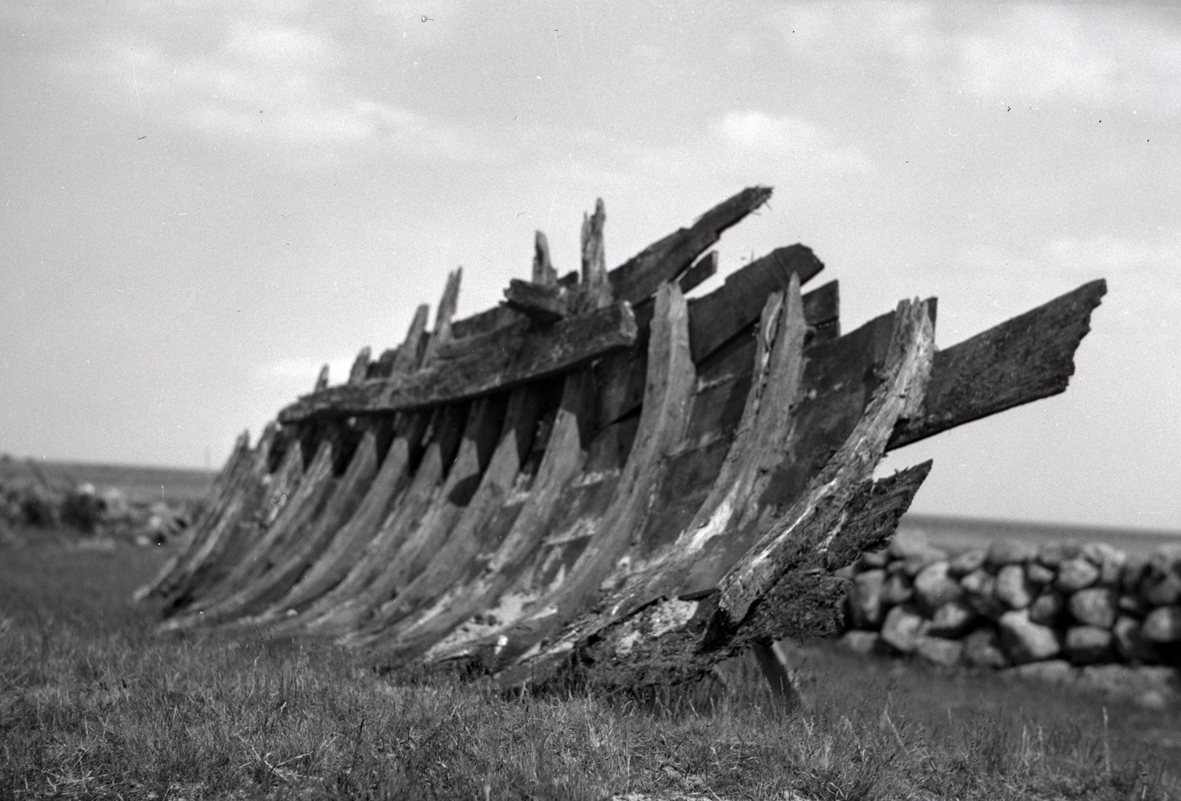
<point>541,303</point>
<point>477,366</point>
<point>1021,360</point>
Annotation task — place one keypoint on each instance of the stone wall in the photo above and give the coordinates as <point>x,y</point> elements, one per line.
<point>1015,604</point>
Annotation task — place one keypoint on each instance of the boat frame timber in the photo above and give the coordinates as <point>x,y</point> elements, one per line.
<point>600,477</point>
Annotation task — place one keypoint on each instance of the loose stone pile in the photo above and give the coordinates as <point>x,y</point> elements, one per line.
<point>1051,608</point>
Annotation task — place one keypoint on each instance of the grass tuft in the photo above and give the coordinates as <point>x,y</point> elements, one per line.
<point>94,705</point>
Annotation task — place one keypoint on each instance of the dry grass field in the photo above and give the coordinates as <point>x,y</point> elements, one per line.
<point>94,705</point>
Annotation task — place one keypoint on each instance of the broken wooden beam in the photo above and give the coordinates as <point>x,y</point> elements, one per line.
<point>479,366</point>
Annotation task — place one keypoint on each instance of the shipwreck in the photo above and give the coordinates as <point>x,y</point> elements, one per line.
<point>599,475</point>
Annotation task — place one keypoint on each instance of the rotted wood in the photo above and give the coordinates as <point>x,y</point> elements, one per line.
<point>671,380</point>
<point>476,526</point>
<point>314,487</point>
<point>675,637</point>
<point>322,379</point>
<point>704,269</point>
<point>204,566</point>
<point>360,368</point>
<point>443,314</point>
<point>481,365</point>
<point>1021,360</point>
<point>666,259</point>
<point>309,545</point>
<point>438,507</point>
<point>451,613</point>
<point>374,579</point>
<point>544,273</point>
<point>219,496</point>
<point>410,352</point>
<point>757,444</point>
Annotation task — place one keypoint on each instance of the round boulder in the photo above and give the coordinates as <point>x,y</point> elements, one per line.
<point>1026,641</point>
<point>1096,606</point>
<point>933,587</point>
<point>1076,574</point>
<point>1013,588</point>
<point>1089,645</point>
<point>902,628</point>
<point>1163,625</point>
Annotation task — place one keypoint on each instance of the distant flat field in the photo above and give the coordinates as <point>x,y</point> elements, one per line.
<point>137,482</point>
<point>959,534</point>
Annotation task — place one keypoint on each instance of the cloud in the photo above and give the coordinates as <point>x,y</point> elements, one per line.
<point>275,84</point>
<point>1019,52</point>
<point>755,133</point>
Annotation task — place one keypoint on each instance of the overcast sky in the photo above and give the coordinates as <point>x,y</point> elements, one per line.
<point>204,202</point>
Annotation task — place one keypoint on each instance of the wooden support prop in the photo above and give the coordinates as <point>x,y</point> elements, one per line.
<point>480,365</point>
<point>1021,360</point>
<point>666,259</point>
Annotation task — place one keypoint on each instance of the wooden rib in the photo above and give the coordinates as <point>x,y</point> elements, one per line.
<point>692,632</point>
<point>477,366</point>
<point>322,379</point>
<point>360,366</point>
<point>316,484</point>
<point>410,352</point>
<point>447,505</point>
<point>219,495</point>
<point>666,259</point>
<point>302,552</point>
<point>203,561</point>
<point>562,460</point>
<point>671,379</point>
<point>366,586</point>
<point>350,541</point>
<point>1021,360</point>
<point>466,538</point>
<point>658,560</point>
<point>544,273</point>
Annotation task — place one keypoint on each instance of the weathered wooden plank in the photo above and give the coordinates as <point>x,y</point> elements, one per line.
<point>822,310</point>
<point>410,352</point>
<point>737,304</point>
<point>541,303</point>
<point>214,507</point>
<point>563,459</point>
<point>443,315</point>
<point>479,366</point>
<point>315,485</point>
<point>276,582</point>
<point>464,541</point>
<point>1021,360</point>
<point>704,269</point>
<point>671,381</point>
<point>666,259</point>
<point>371,581</point>
<point>544,273</point>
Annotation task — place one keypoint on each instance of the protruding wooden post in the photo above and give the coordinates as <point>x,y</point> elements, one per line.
<point>360,366</point>
<point>543,269</point>
<point>446,311</point>
<point>407,358</point>
<point>322,379</point>
<point>596,287</point>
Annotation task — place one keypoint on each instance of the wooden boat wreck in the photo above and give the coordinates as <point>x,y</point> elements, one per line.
<point>599,475</point>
